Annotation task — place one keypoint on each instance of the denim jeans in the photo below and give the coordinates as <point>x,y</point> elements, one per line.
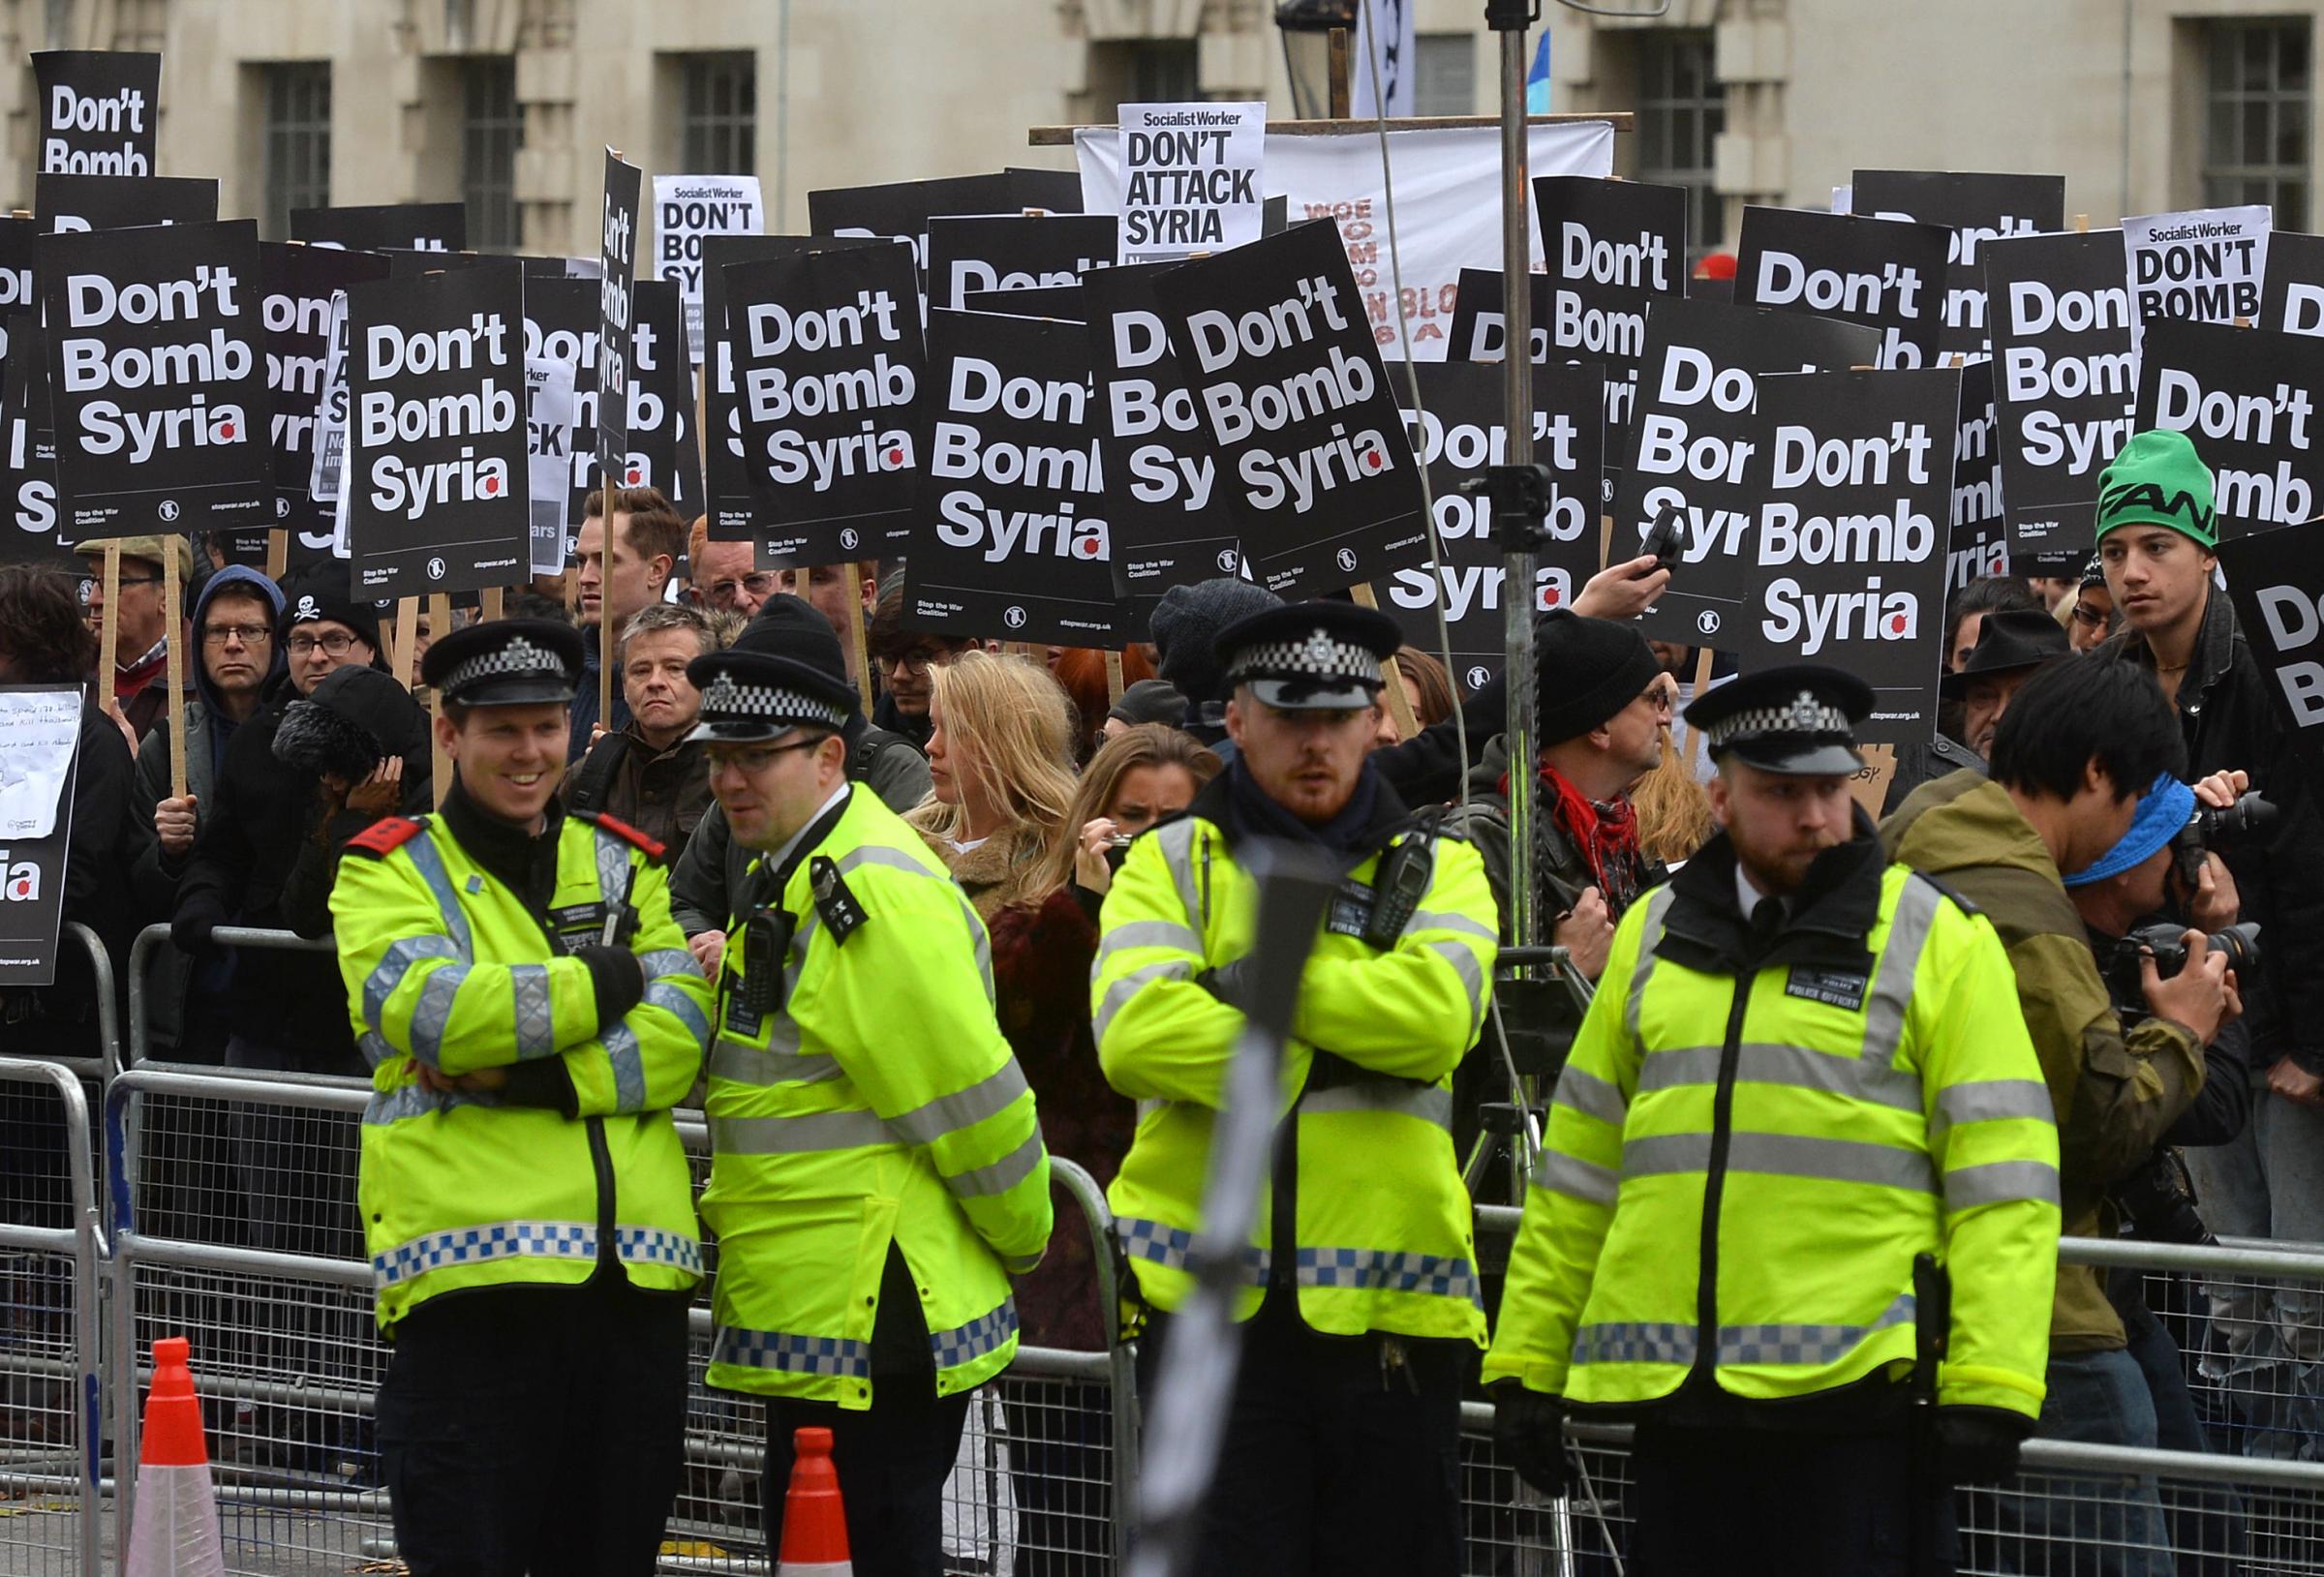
<point>2101,1527</point>
<point>2267,1340</point>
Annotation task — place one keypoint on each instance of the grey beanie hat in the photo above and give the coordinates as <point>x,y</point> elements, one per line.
<point>1188,619</point>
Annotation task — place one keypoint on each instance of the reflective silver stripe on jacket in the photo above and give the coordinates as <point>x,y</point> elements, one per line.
<point>875,854</point>
<point>394,964</point>
<point>1908,926</point>
<point>1650,937</point>
<point>1586,1095</point>
<point>1776,1062</point>
<point>1397,1097</point>
<point>2001,1182</point>
<point>1144,933</point>
<point>1583,1181</point>
<point>963,1109</point>
<point>628,1064</point>
<point>614,869</point>
<point>535,1021</point>
<point>1991,1099</point>
<point>429,863</point>
<point>1002,1175</point>
<point>1176,840</point>
<point>806,1134</point>
<point>1783,1155</point>
<point>1117,995</point>
<point>778,1062</point>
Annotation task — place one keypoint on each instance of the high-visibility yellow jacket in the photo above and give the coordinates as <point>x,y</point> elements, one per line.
<point>879,1104</point>
<point>1750,1145</point>
<point>446,968</point>
<point>1384,1227</point>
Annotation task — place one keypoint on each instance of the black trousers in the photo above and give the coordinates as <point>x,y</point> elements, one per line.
<point>535,1430</point>
<point>893,1460</point>
<point>1783,1504</point>
<point>1342,1453</point>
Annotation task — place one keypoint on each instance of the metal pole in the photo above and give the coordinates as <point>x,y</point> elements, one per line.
<point>1520,553</point>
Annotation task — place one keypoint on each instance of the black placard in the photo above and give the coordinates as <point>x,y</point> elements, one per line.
<point>2291,291</point>
<point>830,366</point>
<point>157,370</point>
<point>1851,485</point>
<point>1010,536</point>
<point>1060,301</point>
<point>1059,191</point>
<point>19,248</point>
<point>118,203</point>
<point>2065,378</point>
<point>296,284</point>
<point>2247,399</point>
<point>1694,433</point>
<point>1888,274</point>
<point>1273,340</point>
<point>1612,248</point>
<point>435,462</point>
<point>664,452</point>
<point>617,306</point>
<point>562,324</point>
<point>900,210</point>
<point>1980,531</point>
<point>32,877</point>
<point>1976,209</point>
<point>404,227</point>
<point>732,502</point>
<point>408,262</point>
<point>2276,580</point>
<point>1161,474</point>
<point>100,110</point>
<point>1460,434</point>
<point>1480,319</point>
<point>38,530</point>
<point>1013,252</point>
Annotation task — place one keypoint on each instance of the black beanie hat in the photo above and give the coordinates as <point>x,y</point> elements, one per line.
<point>789,626</point>
<point>1185,623</point>
<point>355,719</point>
<point>311,597</point>
<point>1585,671</point>
<point>1149,701</point>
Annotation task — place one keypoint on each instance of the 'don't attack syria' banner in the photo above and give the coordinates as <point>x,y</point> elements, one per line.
<point>1190,178</point>
<point>1976,208</point>
<point>1312,459</point>
<point>156,374</point>
<point>1888,274</point>
<point>100,110</point>
<point>437,470</point>
<point>829,364</point>
<point>1852,491</point>
<point>2065,378</point>
<point>1010,536</point>
<point>1458,432</point>
<point>2247,398</point>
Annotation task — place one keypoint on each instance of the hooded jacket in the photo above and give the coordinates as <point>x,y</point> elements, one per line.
<point>205,720</point>
<point>2115,1092</point>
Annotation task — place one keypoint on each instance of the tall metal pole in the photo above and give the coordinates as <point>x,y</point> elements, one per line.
<point>1518,509</point>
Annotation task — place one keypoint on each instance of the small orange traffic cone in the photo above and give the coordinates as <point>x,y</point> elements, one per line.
<point>174,1532</point>
<point>815,1521</point>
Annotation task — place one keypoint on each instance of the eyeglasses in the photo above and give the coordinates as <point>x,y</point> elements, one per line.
<point>752,762</point>
<point>1658,696</point>
<point>247,635</point>
<point>911,662</point>
<point>334,644</point>
<point>2089,615</point>
<point>758,583</point>
<point>89,584</point>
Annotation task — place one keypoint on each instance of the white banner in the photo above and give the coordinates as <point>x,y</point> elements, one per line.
<point>686,209</point>
<point>550,416</point>
<point>1448,206</point>
<point>1193,178</point>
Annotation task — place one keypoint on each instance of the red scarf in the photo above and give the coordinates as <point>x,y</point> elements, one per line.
<point>1606,835</point>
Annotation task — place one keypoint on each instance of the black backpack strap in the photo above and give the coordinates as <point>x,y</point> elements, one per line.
<point>596,776</point>
<point>866,749</point>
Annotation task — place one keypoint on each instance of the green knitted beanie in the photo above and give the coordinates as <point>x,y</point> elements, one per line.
<point>2158,480</point>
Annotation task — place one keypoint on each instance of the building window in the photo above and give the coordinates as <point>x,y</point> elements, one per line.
<point>2256,140</point>
<point>492,128</point>
<point>1163,70</point>
<point>1445,78</point>
<point>1681,111</point>
<point>297,141</point>
<point>717,116</point>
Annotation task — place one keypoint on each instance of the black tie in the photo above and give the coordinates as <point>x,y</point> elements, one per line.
<point>1766,923</point>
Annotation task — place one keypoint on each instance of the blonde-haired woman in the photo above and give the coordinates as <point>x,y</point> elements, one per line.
<point>1000,766</point>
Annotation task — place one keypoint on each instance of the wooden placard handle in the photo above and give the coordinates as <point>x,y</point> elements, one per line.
<point>278,552</point>
<point>404,638</point>
<point>1697,745</point>
<point>856,643</point>
<point>1113,685</point>
<point>109,635</point>
<point>491,603</point>
<point>1399,705</point>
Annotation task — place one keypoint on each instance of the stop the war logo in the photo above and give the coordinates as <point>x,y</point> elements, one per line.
<point>1011,537</point>
<point>2065,378</point>
<point>156,366</point>
<point>436,443</point>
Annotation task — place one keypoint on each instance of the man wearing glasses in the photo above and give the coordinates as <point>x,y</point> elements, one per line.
<point>1605,702</point>
<point>902,657</point>
<point>142,647</point>
<point>233,632</point>
<point>725,575</point>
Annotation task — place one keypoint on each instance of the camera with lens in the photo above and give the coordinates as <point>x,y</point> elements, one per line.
<point>2247,821</point>
<point>2157,1201</point>
<point>2126,983</point>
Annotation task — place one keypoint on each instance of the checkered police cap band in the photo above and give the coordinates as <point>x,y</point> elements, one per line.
<point>727,702</point>
<point>1317,657</point>
<point>1803,714</point>
<point>519,658</point>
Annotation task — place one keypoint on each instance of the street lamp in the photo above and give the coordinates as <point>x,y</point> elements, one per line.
<point>1308,46</point>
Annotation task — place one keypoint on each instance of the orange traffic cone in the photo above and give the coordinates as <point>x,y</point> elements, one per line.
<point>174,1532</point>
<point>815,1521</point>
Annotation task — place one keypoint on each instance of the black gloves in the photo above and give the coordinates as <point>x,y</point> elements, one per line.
<point>1529,1431</point>
<point>191,927</point>
<point>1230,983</point>
<point>1978,1445</point>
<point>616,976</point>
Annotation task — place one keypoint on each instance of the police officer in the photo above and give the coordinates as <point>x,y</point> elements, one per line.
<point>1342,1450</point>
<point>878,1174</point>
<point>530,1015</point>
<point>1804,1070</point>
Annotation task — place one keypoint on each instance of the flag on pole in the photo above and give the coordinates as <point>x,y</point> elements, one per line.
<point>1388,26</point>
<point>1536,80</point>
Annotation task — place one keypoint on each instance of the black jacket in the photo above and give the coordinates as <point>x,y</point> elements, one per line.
<point>2230,722</point>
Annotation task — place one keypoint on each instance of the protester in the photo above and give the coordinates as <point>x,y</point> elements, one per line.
<point>360,736</point>
<point>2053,578</point>
<point>725,575</point>
<point>1965,613</point>
<point>647,773</point>
<point>533,1016</point>
<point>827,594</point>
<point>1140,776</point>
<point>1184,623</point>
<point>903,660</point>
<point>1427,689</point>
<point>1000,771</point>
<point>1080,670</point>
<point>1341,1447</point>
<point>1876,1102</point>
<point>2011,648</point>
<point>1965,617</point>
<point>877,1170</point>
<point>2079,743</point>
<point>647,537</point>
<point>141,646</point>
<point>1674,810</point>
<point>2090,615</point>
<point>1143,701</point>
<point>707,878</point>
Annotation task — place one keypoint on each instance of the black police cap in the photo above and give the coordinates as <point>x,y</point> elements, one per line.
<point>505,662</point>
<point>1799,720</point>
<point>755,697</point>
<point>1308,656</point>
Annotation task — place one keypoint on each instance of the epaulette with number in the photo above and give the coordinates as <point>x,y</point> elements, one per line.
<point>653,848</point>
<point>841,912</point>
<point>384,836</point>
